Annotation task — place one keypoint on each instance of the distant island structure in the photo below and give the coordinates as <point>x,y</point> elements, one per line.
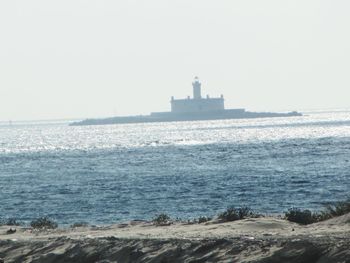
<point>197,104</point>
<point>190,109</point>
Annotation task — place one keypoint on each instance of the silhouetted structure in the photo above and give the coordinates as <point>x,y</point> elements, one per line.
<point>197,104</point>
<point>190,109</point>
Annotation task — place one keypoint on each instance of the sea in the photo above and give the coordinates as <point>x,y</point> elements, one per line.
<point>116,173</point>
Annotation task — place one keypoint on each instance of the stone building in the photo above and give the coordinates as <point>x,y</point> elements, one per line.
<point>197,103</point>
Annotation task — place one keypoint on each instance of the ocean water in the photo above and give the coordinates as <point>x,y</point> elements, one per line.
<point>113,173</point>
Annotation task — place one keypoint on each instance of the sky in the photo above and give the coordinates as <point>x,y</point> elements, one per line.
<point>100,58</point>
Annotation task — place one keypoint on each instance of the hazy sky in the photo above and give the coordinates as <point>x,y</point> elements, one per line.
<point>95,58</point>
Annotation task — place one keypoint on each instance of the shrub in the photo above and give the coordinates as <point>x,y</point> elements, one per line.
<point>79,224</point>
<point>203,219</point>
<point>306,217</point>
<point>303,217</point>
<point>338,208</point>
<point>43,222</point>
<point>13,222</point>
<point>10,222</point>
<point>161,219</point>
<point>233,214</point>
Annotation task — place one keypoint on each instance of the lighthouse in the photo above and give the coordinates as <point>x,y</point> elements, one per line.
<point>197,104</point>
<point>196,89</point>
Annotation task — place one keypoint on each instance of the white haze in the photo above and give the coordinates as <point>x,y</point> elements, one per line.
<point>94,58</point>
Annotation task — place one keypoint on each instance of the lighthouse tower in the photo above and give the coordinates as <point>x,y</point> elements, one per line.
<point>196,88</point>
<point>197,104</point>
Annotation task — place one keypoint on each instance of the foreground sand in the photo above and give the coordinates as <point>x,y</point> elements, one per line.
<point>266,239</point>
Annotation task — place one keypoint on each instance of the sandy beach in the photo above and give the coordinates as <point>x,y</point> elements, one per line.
<point>265,239</point>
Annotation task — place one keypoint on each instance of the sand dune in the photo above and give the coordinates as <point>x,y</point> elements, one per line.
<point>266,239</point>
